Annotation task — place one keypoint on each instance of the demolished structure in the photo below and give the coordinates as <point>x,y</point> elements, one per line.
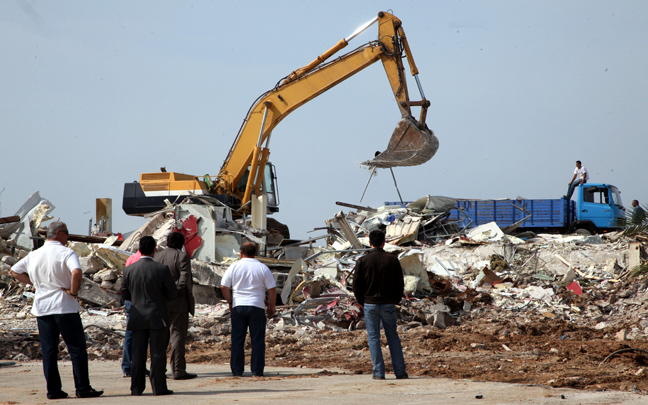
<point>456,280</point>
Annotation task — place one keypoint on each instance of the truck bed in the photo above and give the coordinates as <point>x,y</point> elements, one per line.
<point>523,213</point>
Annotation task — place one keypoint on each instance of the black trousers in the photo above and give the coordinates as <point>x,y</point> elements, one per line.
<point>158,340</point>
<point>50,327</point>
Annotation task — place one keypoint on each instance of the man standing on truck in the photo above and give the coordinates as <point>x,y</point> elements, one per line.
<point>580,177</point>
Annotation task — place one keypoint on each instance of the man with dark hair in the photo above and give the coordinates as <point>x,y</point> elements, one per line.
<point>55,272</point>
<point>638,214</point>
<point>249,279</point>
<point>581,176</point>
<point>378,285</point>
<point>180,307</point>
<point>148,285</point>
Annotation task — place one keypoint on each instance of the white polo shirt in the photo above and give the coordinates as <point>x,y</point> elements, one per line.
<point>50,269</point>
<point>249,279</point>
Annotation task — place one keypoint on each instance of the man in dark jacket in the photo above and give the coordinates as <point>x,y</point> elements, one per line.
<point>182,305</point>
<point>148,285</point>
<point>378,285</point>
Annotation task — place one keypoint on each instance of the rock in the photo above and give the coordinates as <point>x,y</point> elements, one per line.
<point>10,260</point>
<point>91,264</point>
<point>109,275</point>
<point>440,319</point>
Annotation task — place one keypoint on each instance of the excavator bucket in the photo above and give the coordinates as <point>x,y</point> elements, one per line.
<point>411,144</point>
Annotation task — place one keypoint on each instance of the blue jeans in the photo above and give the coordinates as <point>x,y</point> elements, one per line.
<point>127,351</point>
<point>572,188</point>
<point>387,314</point>
<point>254,318</point>
<point>68,326</point>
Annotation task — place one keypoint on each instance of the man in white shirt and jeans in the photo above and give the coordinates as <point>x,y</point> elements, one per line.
<point>580,177</point>
<point>56,274</point>
<point>244,285</point>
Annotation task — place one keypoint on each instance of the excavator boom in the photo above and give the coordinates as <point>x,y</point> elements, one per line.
<point>411,143</point>
<point>242,173</point>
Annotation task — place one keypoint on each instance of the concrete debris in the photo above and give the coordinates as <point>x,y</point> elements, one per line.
<point>32,213</point>
<point>451,275</point>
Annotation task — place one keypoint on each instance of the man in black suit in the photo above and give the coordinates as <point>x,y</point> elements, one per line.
<point>148,285</point>
<point>181,306</point>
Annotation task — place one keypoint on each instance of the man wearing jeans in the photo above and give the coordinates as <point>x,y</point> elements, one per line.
<point>581,176</point>
<point>244,285</point>
<point>56,274</point>
<point>378,285</point>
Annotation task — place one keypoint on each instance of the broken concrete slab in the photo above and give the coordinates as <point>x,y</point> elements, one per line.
<point>299,266</point>
<point>113,257</point>
<point>413,266</point>
<point>91,264</point>
<point>33,212</point>
<point>207,274</point>
<point>92,292</point>
<point>225,246</point>
<point>131,243</point>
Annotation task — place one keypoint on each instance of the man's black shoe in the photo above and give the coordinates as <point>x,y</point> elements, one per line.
<point>167,392</point>
<point>258,375</point>
<point>378,378</point>
<point>91,393</point>
<point>401,377</point>
<point>127,375</point>
<point>187,376</point>
<point>57,395</point>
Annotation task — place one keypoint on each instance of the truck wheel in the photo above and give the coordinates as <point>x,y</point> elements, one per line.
<point>582,231</point>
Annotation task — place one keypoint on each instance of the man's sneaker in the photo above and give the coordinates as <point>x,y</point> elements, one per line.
<point>378,378</point>
<point>91,393</point>
<point>401,377</point>
<point>57,395</point>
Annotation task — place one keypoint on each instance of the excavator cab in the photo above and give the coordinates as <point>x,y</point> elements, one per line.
<point>268,186</point>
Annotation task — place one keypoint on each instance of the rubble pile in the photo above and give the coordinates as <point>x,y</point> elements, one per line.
<point>545,309</point>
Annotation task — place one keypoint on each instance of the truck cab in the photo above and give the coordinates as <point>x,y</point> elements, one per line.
<point>599,207</point>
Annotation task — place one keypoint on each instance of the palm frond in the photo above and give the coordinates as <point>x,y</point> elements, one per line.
<point>636,222</point>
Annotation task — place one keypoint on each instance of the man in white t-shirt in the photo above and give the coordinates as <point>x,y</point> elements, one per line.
<point>244,286</point>
<point>580,177</point>
<point>56,274</point>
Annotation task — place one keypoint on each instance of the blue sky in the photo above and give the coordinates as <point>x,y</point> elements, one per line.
<point>94,93</point>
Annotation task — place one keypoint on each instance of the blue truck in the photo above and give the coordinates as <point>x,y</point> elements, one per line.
<point>598,208</point>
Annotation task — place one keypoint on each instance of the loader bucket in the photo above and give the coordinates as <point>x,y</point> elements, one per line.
<point>411,144</point>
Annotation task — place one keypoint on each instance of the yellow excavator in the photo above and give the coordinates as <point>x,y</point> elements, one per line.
<point>246,180</point>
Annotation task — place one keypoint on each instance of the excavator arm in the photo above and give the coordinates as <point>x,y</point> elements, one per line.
<point>412,143</point>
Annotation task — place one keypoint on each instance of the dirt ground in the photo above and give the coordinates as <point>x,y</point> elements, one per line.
<point>544,351</point>
<point>549,353</point>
